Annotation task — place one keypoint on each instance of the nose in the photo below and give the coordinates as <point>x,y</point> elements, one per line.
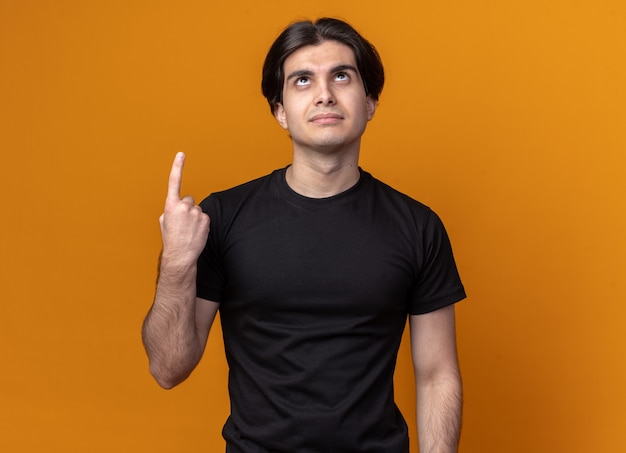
<point>325,95</point>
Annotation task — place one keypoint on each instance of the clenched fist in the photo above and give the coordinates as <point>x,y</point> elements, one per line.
<point>184,227</point>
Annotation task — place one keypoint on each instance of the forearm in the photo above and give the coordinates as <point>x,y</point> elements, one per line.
<point>439,413</point>
<point>169,330</point>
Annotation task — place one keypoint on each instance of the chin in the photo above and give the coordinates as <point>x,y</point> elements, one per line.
<point>335,140</point>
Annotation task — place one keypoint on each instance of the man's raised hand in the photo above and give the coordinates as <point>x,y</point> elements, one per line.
<point>184,227</point>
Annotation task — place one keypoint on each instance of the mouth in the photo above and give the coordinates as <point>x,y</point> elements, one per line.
<point>326,118</point>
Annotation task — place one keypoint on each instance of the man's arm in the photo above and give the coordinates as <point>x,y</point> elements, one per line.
<point>437,380</point>
<point>175,335</point>
<point>177,326</point>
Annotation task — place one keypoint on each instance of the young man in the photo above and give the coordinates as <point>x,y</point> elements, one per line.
<point>314,269</point>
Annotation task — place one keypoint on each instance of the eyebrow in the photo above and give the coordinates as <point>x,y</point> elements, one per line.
<point>308,73</point>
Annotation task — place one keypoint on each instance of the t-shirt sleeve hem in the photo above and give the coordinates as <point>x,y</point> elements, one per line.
<point>442,302</point>
<point>214,296</point>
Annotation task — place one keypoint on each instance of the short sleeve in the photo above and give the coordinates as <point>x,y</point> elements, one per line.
<point>210,280</point>
<point>438,283</point>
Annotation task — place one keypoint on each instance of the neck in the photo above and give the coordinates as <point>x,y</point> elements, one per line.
<point>322,176</point>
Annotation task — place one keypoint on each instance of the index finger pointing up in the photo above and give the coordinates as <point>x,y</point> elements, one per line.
<point>176,175</point>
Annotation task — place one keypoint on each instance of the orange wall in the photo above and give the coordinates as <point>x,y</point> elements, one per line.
<point>507,117</point>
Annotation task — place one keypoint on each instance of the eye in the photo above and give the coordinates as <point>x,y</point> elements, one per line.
<point>302,81</point>
<point>341,76</point>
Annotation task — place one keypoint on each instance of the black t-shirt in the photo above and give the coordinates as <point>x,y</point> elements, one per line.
<point>314,295</point>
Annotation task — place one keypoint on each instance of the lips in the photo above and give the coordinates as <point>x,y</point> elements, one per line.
<point>326,118</point>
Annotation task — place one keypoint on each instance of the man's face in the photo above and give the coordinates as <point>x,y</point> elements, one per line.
<point>324,106</point>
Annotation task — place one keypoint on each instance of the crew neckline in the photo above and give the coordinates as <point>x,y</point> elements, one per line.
<point>315,203</point>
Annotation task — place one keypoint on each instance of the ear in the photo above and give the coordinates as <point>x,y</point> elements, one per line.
<point>371,105</point>
<point>279,114</point>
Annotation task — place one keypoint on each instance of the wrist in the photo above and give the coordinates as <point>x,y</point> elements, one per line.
<point>176,268</point>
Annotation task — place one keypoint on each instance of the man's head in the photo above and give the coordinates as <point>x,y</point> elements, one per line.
<point>307,33</point>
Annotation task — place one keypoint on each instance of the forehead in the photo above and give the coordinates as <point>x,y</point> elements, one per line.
<point>320,57</point>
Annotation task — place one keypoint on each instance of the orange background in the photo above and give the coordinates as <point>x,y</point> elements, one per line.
<point>507,117</point>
